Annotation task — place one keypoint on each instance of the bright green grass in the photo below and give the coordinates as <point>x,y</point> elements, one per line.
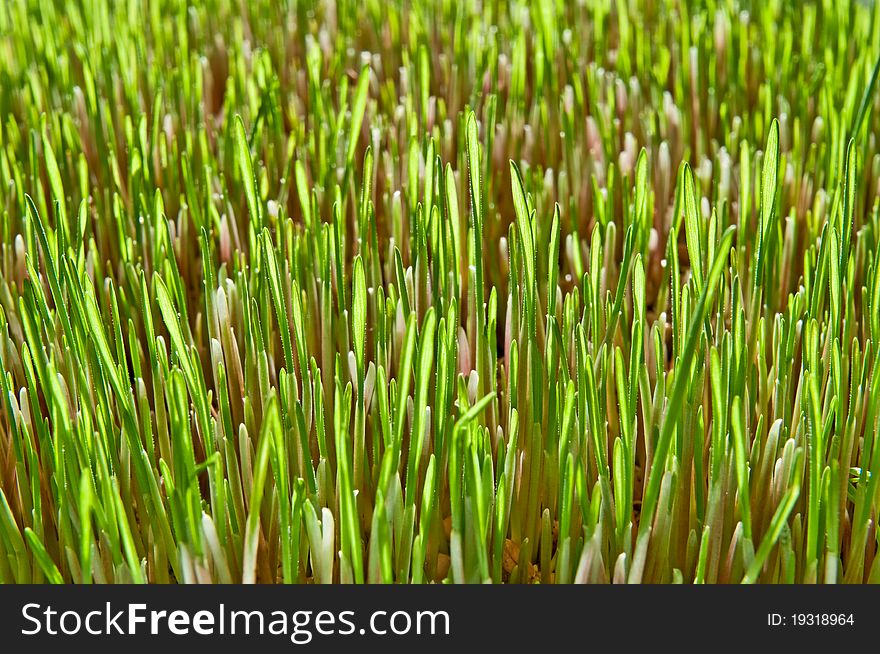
<point>371,291</point>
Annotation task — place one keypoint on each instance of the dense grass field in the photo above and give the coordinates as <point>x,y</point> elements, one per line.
<point>429,291</point>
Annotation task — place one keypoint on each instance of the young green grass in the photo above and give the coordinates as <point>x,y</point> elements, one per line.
<point>439,292</point>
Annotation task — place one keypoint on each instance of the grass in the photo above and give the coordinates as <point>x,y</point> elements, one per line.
<point>522,292</point>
